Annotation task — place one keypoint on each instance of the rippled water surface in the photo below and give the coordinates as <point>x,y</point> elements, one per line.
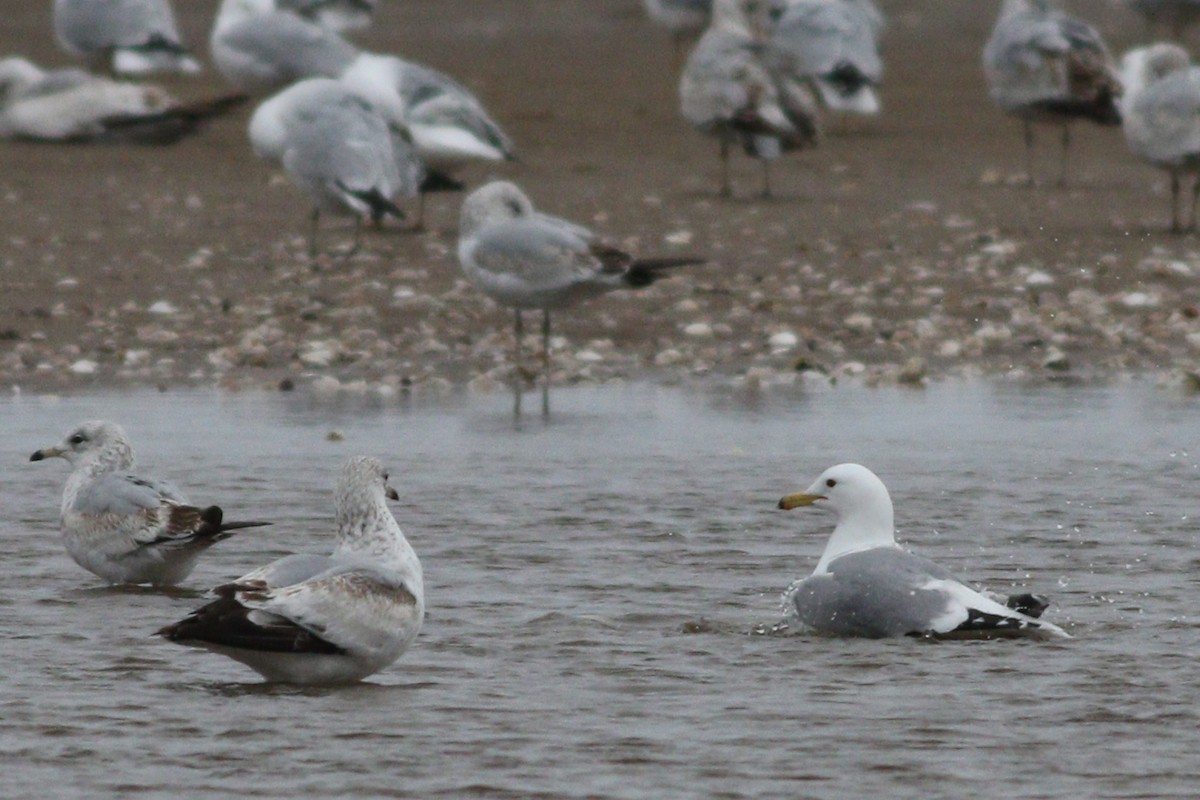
<point>597,590</point>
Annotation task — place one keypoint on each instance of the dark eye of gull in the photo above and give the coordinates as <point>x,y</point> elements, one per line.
<point>831,483</point>
<point>78,438</point>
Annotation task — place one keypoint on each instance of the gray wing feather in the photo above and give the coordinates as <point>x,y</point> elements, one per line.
<point>124,494</point>
<point>291,47</point>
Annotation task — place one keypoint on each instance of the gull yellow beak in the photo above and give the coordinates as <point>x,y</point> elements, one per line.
<point>799,499</point>
<point>46,452</point>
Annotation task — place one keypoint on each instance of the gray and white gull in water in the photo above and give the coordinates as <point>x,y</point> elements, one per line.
<point>1045,66</point>
<point>314,619</point>
<point>338,148</point>
<point>866,585</point>
<point>728,91</point>
<point>123,526</point>
<point>832,43</point>
<point>525,259</point>
<point>130,37</point>
<point>1161,116</point>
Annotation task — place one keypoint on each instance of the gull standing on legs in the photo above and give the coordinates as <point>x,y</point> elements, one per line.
<point>525,259</point>
<point>1043,65</point>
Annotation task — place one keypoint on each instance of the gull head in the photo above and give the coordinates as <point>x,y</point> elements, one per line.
<point>1143,66</point>
<point>363,482</point>
<point>861,502</point>
<point>94,440</point>
<point>493,202</point>
<point>16,75</point>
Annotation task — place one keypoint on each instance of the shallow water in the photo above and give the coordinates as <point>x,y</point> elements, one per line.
<point>595,586</point>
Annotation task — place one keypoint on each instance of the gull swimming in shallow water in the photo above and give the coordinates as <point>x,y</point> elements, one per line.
<point>1045,66</point>
<point>125,527</point>
<point>338,148</point>
<point>727,91</point>
<point>315,619</point>
<point>866,585</point>
<point>1161,116</point>
<point>525,259</point>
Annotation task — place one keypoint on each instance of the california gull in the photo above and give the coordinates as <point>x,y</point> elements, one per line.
<point>131,36</point>
<point>1045,66</point>
<point>727,91</point>
<point>866,585</point>
<point>1161,111</point>
<point>316,619</point>
<point>125,527</point>
<point>525,259</point>
<point>339,149</point>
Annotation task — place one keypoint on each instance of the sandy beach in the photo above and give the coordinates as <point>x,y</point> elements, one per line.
<point>905,248</point>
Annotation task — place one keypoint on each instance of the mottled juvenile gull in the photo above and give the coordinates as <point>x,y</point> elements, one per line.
<point>1045,66</point>
<point>866,585</point>
<point>727,91</point>
<point>529,260</point>
<point>832,43</point>
<point>323,619</point>
<point>259,49</point>
<point>132,36</point>
<point>337,147</point>
<point>125,527</point>
<point>1161,115</point>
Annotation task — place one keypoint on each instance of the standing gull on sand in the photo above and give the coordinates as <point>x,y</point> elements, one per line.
<point>866,585</point>
<point>130,37</point>
<point>1161,116</point>
<point>315,619</point>
<point>524,259</point>
<point>336,146</point>
<point>1045,66</point>
<point>125,527</point>
<point>728,92</point>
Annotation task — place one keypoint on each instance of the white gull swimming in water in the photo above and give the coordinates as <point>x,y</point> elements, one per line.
<point>866,585</point>
<point>525,259</point>
<point>258,48</point>
<point>125,527</point>
<point>1161,115</point>
<point>338,148</point>
<point>323,619</point>
<point>727,91</point>
<point>1045,66</point>
<point>132,36</point>
<point>832,43</point>
<point>70,105</point>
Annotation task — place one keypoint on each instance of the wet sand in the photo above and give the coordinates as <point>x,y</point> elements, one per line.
<point>905,248</point>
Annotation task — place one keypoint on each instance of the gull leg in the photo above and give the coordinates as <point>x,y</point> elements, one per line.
<point>726,186</point>
<point>1028,129</point>
<point>357,243</point>
<point>1062,164</point>
<point>546,357</point>
<point>1175,226</point>
<point>518,332</point>
<point>766,186</point>
<point>312,233</point>
<point>1195,197</point>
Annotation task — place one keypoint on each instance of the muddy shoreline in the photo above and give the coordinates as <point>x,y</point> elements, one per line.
<point>904,249</point>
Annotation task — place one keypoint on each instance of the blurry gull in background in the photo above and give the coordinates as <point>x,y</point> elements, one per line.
<point>336,146</point>
<point>1045,66</point>
<point>258,48</point>
<point>866,585</point>
<point>728,92</point>
<point>685,19</point>
<point>70,105</point>
<point>336,15</point>
<point>314,619</point>
<point>1161,116</point>
<point>127,36</point>
<point>832,43</point>
<point>525,259</point>
<point>125,527</point>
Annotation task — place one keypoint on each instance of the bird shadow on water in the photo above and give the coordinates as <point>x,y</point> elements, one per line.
<point>137,590</point>
<point>269,689</point>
